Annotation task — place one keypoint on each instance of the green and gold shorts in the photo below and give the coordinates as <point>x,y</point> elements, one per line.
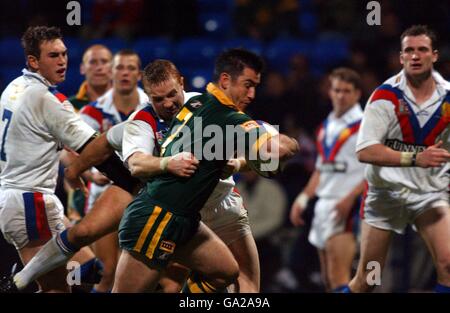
<point>153,231</point>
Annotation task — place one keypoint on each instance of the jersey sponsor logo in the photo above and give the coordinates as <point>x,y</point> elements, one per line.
<point>401,146</point>
<point>250,125</point>
<point>196,104</point>
<point>167,246</point>
<point>334,167</point>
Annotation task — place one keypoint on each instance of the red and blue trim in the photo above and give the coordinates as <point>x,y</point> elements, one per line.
<point>36,216</point>
<point>411,131</point>
<point>329,153</point>
<point>61,97</point>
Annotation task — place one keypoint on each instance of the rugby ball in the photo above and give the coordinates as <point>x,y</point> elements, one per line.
<point>265,167</point>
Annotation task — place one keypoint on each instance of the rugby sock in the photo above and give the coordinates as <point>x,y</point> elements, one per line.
<point>195,284</point>
<point>441,288</point>
<point>342,289</point>
<point>56,252</point>
<point>91,271</point>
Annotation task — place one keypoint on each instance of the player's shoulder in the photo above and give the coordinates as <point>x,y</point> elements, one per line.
<point>145,114</point>
<point>388,91</point>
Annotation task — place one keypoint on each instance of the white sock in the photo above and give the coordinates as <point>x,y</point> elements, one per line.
<point>47,259</point>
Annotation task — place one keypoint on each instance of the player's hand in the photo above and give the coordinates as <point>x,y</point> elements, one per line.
<point>433,156</point>
<point>99,179</point>
<point>75,181</point>
<point>296,214</point>
<point>344,207</point>
<point>183,164</point>
<point>230,168</point>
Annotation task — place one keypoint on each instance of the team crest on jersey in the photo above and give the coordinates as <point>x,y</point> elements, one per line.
<point>446,111</point>
<point>167,246</point>
<point>250,125</point>
<point>196,104</point>
<point>403,107</point>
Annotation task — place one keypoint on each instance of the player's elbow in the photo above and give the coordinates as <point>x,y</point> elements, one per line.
<point>364,156</point>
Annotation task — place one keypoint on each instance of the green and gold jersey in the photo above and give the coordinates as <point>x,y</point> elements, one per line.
<point>212,128</point>
<point>81,98</point>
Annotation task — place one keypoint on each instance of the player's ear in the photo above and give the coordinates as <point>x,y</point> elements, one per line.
<point>82,69</point>
<point>435,55</point>
<point>33,62</point>
<point>182,82</point>
<point>401,57</point>
<point>225,81</point>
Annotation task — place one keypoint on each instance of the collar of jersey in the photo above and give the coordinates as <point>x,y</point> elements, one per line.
<point>216,92</point>
<point>82,92</point>
<point>38,77</point>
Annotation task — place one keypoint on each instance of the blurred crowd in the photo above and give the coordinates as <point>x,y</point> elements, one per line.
<point>293,95</point>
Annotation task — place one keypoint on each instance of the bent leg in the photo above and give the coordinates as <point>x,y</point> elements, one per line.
<point>246,254</point>
<point>434,227</point>
<point>340,250</point>
<point>374,247</point>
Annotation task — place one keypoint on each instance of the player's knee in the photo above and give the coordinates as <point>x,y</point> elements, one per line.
<point>443,265</point>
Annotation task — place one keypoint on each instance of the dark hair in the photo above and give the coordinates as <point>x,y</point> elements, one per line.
<point>160,71</point>
<point>129,52</point>
<point>34,36</point>
<point>417,30</point>
<point>233,62</point>
<point>348,75</point>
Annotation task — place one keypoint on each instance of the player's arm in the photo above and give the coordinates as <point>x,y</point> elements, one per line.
<point>381,155</point>
<point>280,147</point>
<point>138,147</point>
<point>301,201</point>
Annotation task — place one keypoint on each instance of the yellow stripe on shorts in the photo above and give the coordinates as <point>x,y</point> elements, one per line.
<point>151,220</point>
<point>157,235</point>
<point>193,287</point>
<point>207,287</point>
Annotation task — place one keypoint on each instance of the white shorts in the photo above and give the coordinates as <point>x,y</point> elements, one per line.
<point>94,192</point>
<point>395,209</point>
<point>325,224</point>
<point>229,220</point>
<point>27,216</point>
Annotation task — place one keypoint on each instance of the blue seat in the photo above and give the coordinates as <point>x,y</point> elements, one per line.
<point>217,25</point>
<point>8,74</point>
<point>279,52</point>
<point>247,43</point>
<point>330,52</point>
<point>150,49</point>
<point>307,22</point>
<point>196,78</point>
<point>11,52</point>
<point>196,52</point>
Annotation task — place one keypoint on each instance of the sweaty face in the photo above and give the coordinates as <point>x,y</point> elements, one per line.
<point>343,95</point>
<point>167,97</point>
<point>97,67</point>
<point>242,89</point>
<point>52,63</point>
<point>126,73</point>
<point>417,55</point>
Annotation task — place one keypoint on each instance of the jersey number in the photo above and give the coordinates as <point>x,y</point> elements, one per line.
<point>7,115</point>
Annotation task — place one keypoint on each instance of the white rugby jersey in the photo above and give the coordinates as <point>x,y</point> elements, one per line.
<point>392,118</point>
<point>103,114</point>
<point>340,170</point>
<point>36,121</point>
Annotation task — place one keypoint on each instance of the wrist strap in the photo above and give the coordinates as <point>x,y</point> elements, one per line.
<point>302,200</point>
<point>163,163</point>
<point>406,158</point>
